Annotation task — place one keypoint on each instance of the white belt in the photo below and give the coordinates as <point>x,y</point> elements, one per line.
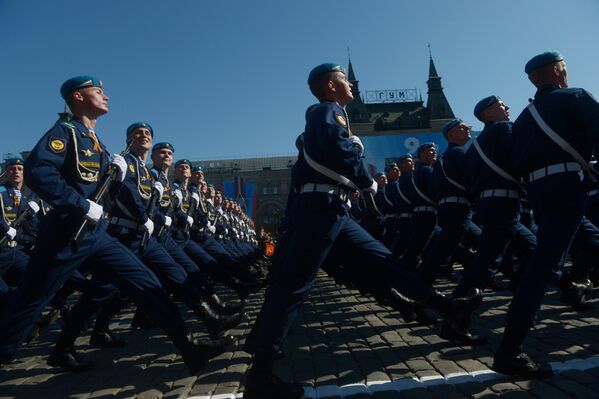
<point>424,208</point>
<point>554,169</point>
<point>527,211</point>
<point>325,188</point>
<point>404,215</point>
<point>499,193</point>
<point>454,200</point>
<point>592,193</point>
<point>128,223</point>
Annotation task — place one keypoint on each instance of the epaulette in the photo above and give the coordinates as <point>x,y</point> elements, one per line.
<point>3,189</point>
<point>67,124</point>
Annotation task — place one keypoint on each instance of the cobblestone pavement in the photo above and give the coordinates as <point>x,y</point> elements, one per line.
<point>343,346</point>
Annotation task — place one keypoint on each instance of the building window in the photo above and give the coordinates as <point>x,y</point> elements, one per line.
<point>275,190</point>
<point>264,190</point>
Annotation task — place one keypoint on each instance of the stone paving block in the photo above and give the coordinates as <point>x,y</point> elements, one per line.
<point>416,393</point>
<point>445,391</point>
<point>573,388</point>
<point>385,395</point>
<point>579,376</point>
<point>149,394</point>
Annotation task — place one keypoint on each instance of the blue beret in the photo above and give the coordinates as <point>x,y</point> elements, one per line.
<point>406,156</point>
<point>540,60</point>
<point>14,161</point>
<point>78,82</point>
<point>449,125</point>
<point>484,103</point>
<point>139,125</point>
<point>424,146</point>
<point>197,168</point>
<point>379,174</point>
<point>324,68</point>
<point>390,166</point>
<point>164,144</point>
<point>182,161</point>
<point>210,185</point>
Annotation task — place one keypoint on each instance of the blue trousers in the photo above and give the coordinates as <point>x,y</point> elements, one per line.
<point>558,205</point>
<point>422,228</point>
<point>500,222</point>
<point>404,231</point>
<point>584,250</point>
<point>53,261</point>
<point>319,222</point>
<point>13,263</point>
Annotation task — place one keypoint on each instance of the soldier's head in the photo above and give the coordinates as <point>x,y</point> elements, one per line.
<point>427,153</point>
<point>218,198</point>
<point>211,191</point>
<point>457,132</point>
<point>197,174</point>
<point>203,186</point>
<point>392,171</point>
<point>492,109</point>
<point>405,163</point>
<point>183,169</point>
<point>328,82</point>
<point>140,135</point>
<point>547,68</point>
<point>381,179</point>
<point>14,168</point>
<point>162,155</point>
<point>85,96</point>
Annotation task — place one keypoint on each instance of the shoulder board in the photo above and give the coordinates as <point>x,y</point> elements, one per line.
<point>67,124</point>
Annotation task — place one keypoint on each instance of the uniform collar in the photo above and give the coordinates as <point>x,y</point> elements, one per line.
<point>545,89</point>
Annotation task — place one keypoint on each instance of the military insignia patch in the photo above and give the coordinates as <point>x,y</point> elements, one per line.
<point>87,152</point>
<point>131,168</point>
<point>341,120</point>
<point>57,145</point>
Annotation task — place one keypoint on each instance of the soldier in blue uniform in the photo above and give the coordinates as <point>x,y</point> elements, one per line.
<point>424,207</point>
<point>14,202</point>
<point>387,205</point>
<point>320,224</point>
<point>553,140</point>
<point>403,205</point>
<point>64,169</point>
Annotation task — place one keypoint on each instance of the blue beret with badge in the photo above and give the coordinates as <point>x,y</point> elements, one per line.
<point>183,161</point>
<point>161,145</point>
<point>78,82</point>
<point>140,125</point>
<point>390,166</point>
<point>449,125</point>
<point>324,68</point>
<point>540,60</point>
<point>424,146</point>
<point>406,156</point>
<point>484,103</point>
<point>197,168</point>
<point>14,161</point>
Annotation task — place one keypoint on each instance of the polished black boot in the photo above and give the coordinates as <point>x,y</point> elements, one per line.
<point>105,339</point>
<point>511,360</point>
<point>141,321</point>
<point>216,323</point>
<point>575,293</point>
<point>456,312</point>
<point>64,355</point>
<point>405,306</point>
<point>225,308</point>
<point>261,383</point>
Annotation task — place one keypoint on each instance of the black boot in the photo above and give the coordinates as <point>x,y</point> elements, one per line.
<point>195,354</point>
<point>225,308</point>
<point>141,321</point>
<point>405,306</point>
<point>216,323</point>
<point>261,383</point>
<point>64,355</point>
<point>105,339</point>
<point>457,313</point>
<point>511,360</point>
<point>575,293</point>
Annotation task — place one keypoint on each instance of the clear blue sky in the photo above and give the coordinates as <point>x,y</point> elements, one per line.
<point>228,78</point>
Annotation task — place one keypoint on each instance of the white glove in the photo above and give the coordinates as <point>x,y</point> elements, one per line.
<point>168,221</point>
<point>189,221</point>
<point>11,233</point>
<point>212,229</point>
<point>196,198</point>
<point>95,212</point>
<point>121,166</point>
<point>159,187</point>
<point>149,226</point>
<point>179,195</point>
<point>34,206</point>
<point>226,231</point>
<point>357,144</point>
<point>372,189</point>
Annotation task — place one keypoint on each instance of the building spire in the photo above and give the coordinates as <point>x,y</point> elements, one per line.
<point>437,104</point>
<point>356,109</point>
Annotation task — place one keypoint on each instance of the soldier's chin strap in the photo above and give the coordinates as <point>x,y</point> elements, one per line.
<point>329,172</point>
<point>564,145</point>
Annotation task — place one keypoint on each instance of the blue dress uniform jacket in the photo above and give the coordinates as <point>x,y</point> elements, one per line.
<point>423,179</point>
<point>133,196</point>
<point>496,142</point>
<point>164,205</point>
<point>454,165</point>
<point>326,142</point>
<point>11,207</point>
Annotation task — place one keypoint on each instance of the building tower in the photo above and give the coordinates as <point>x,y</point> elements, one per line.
<point>356,110</point>
<point>437,105</point>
